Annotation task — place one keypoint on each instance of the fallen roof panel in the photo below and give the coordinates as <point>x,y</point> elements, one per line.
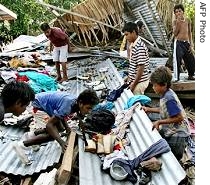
<point>48,154</point>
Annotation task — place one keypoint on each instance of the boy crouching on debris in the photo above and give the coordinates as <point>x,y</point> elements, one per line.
<point>173,124</point>
<point>59,106</point>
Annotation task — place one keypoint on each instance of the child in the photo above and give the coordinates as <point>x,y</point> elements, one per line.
<point>15,97</point>
<point>59,39</point>
<point>183,44</point>
<point>173,123</point>
<point>59,106</point>
<point>138,72</point>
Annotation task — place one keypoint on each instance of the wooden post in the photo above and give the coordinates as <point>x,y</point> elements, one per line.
<point>27,181</point>
<point>64,171</point>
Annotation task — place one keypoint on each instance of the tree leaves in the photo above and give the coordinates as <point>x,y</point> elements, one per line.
<point>30,15</point>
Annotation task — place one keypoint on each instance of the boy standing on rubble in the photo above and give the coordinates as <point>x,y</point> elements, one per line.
<point>15,97</point>
<point>59,39</point>
<point>183,44</point>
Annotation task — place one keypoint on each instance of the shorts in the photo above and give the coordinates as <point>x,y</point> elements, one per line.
<point>60,54</point>
<point>141,87</point>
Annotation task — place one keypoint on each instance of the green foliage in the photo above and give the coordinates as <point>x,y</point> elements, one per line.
<point>30,15</point>
<point>190,13</point>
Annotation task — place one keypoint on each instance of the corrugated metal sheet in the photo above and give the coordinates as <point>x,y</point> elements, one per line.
<point>146,11</point>
<point>47,155</point>
<point>90,172</point>
<point>141,135</point>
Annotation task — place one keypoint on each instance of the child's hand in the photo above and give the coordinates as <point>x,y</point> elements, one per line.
<point>132,87</point>
<point>156,125</point>
<point>146,109</point>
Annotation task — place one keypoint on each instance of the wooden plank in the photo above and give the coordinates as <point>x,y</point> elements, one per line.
<point>66,166</point>
<point>183,89</point>
<point>183,86</point>
<point>180,86</point>
<point>27,181</point>
<point>180,95</point>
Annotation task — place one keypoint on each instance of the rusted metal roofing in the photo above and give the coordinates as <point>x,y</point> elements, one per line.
<point>6,14</point>
<point>141,134</point>
<point>48,155</point>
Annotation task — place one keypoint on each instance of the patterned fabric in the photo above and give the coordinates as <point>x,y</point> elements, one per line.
<point>138,56</point>
<point>170,106</point>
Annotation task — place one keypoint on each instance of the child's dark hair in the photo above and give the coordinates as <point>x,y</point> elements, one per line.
<point>130,27</point>
<point>88,97</point>
<point>178,6</point>
<point>140,24</point>
<point>162,76</point>
<point>44,27</point>
<point>17,91</point>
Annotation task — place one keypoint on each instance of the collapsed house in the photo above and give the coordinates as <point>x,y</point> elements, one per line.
<point>140,127</point>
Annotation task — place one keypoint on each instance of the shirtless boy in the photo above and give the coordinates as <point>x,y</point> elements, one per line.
<point>183,44</point>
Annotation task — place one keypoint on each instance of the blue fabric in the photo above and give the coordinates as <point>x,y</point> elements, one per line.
<point>40,82</point>
<point>116,93</point>
<point>55,103</point>
<point>173,129</point>
<point>143,99</point>
<point>108,105</point>
<point>173,108</point>
<point>155,149</point>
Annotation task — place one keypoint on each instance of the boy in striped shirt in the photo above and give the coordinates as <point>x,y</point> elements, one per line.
<point>138,72</point>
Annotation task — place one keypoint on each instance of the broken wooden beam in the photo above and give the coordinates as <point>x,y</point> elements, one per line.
<point>64,172</point>
<point>27,181</point>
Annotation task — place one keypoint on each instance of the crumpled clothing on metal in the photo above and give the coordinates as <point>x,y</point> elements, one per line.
<point>154,150</point>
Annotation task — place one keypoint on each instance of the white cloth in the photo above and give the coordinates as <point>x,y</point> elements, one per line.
<point>111,157</point>
<point>175,71</point>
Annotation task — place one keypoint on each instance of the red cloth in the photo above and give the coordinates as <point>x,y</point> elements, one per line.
<point>23,78</point>
<point>117,147</point>
<point>58,37</point>
<point>35,110</point>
